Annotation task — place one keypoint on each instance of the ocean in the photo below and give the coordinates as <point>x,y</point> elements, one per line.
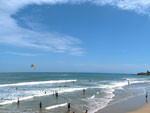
<point>101,90</point>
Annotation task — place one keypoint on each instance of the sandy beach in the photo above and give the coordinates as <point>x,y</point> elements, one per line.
<point>144,109</point>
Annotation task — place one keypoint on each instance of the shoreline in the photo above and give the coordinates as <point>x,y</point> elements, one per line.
<point>144,109</point>
<point>129,105</point>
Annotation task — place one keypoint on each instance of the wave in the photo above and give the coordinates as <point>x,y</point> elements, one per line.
<point>93,96</point>
<point>37,83</point>
<point>138,80</point>
<point>40,94</point>
<point>132,96</point>
<point>15,101</point>
<point>96,104</point>
<point>99,103</point>
<point>55,106</point>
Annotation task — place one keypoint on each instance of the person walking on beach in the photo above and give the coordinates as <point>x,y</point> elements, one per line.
<point>40,105</point>
<point>68,107</point>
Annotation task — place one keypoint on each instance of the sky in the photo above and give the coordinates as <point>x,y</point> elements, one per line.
<point>106,36</point>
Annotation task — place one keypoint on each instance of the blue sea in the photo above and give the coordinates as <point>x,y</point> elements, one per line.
<point>101,90</point>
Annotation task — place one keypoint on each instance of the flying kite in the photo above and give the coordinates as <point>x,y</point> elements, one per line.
<point>32,65</point>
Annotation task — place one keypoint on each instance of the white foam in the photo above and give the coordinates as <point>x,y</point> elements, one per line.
<point>56,106</point>
<point>40,94</point>
<point>63,90</point>
<point>138,80</point>
<point>96,104</point>
<point>37,83</point>
<point>144,92</point>
<point>14,101</point>
<point>92,97</point>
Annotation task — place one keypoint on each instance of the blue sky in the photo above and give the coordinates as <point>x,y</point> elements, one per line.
<point>75,36</point>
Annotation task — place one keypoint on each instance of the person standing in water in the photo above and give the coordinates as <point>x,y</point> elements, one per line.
<point>68,107</point>
<point>18,102</point>
<point>56,94</point>
<point>86,111</point>
<point>128,82</point>
<point>84,91</point>
<point>40,105</point>
<point>146,96</point>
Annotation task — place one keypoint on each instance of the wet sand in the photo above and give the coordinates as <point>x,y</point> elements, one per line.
<point>144,109</point>
<point>126,106</point>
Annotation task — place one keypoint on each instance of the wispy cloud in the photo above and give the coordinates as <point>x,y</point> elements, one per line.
<point>22,54</point>
<point>12,34</point>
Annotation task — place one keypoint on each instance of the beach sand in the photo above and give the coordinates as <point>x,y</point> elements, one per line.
<point>126,106</point>
<point>144,109</point>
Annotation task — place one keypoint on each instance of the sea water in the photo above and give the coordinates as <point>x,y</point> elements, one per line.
<point>101,90</point>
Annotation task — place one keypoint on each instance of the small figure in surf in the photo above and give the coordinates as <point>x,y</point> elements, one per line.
<point>68,107</point>
<point>146,96</point>
<point>18,102</point>
<point>83,91</point>
<point>40,105</point>
<point>56,94</point>
<point>128,82</point>
<point>45,92</point>
<point>86,111</point>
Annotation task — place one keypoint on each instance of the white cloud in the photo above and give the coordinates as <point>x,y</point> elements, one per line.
<point>12,34</point>
<point>22,54</point>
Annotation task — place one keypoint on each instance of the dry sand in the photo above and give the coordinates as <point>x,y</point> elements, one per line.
<point>144,109</point>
